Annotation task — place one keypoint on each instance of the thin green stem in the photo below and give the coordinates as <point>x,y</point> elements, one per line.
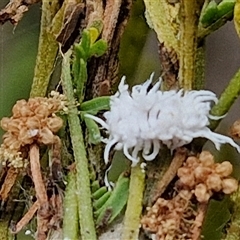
<point>188,43</point>
<point>134,205</point>
<point>47,50</point>
<point>85,210</point>
<point>228,97</point>
<point>70,231</point>
<point>200,68</point>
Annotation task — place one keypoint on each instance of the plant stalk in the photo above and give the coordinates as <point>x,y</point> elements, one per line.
<point>71,231</point>
<point>47,50</point>
<point>85,211</point>
<point>134,205</point>
<point>188,43</point>
<point>227,98</point>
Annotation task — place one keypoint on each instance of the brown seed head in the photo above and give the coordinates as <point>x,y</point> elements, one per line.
<point>224,169</point>
<point>230,185</point>
<point>201,192</point>
<point>34,120</point>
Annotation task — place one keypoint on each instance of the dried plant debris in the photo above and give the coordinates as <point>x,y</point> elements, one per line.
<point>73,20</point>
<point>168,219</point>
<point>182,216</point>
<point>170,66</point>
<point>8,183</point>
<point>103,74</point>
<point>14,11</point>
<point>33,121</point>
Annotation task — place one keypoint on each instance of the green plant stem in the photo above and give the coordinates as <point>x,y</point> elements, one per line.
<point>200,68</point>
<point>134,205</point>
<point>47,50</point>
<point>70,219</point>
<point>227,99</point>
<point>188,43</point>
<point>87,228</point>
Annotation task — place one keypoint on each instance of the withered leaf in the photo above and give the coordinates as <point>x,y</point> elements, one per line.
<point>73,14</point>
<point>14,10</point>
<point>170,66</point>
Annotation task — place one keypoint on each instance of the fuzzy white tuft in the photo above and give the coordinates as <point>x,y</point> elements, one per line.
<point>145,118</point>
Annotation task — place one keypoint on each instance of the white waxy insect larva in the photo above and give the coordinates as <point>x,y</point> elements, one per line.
<point>143,119</point>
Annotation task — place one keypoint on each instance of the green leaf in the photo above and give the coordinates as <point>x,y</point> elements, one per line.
<point>78,55</point>
<point>79,52</point>
<point>218,215</point>
<point>115,203</point>
<point>209,15</point>
<point>99,193</point>
<point>80,79</point>
<point>225,7</point>
<point>95,186</point>
<point>95,30</point>
<point>86,42</point>
<point>97,204</point>
<point>98,48</point>
<point>95,105</point>
<point>93,131</point>
<point>94,34</point>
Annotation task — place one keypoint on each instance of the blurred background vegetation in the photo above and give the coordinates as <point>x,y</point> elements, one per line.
<point>18,50</point>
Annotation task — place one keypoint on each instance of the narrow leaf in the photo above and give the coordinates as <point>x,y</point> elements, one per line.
<point>97,204</point>
<point>115,203</point>
<point>93,131</point>
<point>210,14</point>
<point>225,7</point>
<point>95,105</point>
<point>99,193</point>
<point>98,48</point>
<point>85,42</point>
<point>81,79</point>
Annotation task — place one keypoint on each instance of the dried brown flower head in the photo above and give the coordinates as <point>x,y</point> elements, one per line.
<point>167,219</point>
<point>181,217</point>
<point>204,177</point>
<point>33,121</point>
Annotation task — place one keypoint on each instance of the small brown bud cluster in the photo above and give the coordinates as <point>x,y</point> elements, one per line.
<point>32,121</point>
<point>235,129</point>
<point>178,218</point>
<point>165,219</point>
<point>204,177</point>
